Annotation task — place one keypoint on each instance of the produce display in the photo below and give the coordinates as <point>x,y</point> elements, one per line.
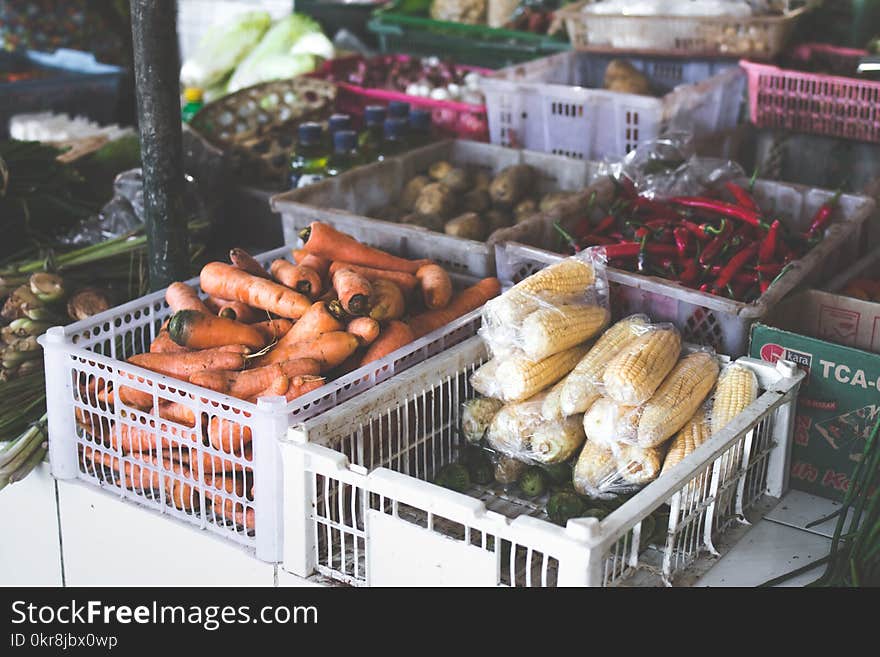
<point>534,16</point>
<point>284,331</point>
<point>467,202</point>
<point>580,413</point>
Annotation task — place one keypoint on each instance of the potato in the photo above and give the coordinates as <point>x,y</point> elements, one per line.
<point>482,180</point>
<point>552,200</point>
<point>496,219</point>
<point>511,185</point>
<point>469,226</point>
<point>388,212</point>
<point>439,170</point>
<point>457,180</point>
<point>430,221</point>
<point>622,76</point>
<point>476,200</point>
<point>525,209</point>
<point>436,198</point>
<point>411,192</point>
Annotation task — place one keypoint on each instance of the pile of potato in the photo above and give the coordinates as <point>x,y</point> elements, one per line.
<point>469,203</point>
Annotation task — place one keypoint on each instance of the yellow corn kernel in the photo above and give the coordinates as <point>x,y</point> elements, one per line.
<point>550,409</point>
<point>737,388</point>
<point>678,398</point>
<point>635,373</point>
<point>555,441</point>
<point>581,388</point>
<point>520,377</point>
<point>550,330</point>
<point>595,470</point>
<point>638,465</point>
<point>693,434</point>
<point>608,422</point>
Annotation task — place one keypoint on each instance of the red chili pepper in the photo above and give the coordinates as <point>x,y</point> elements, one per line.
<point>659,223</point>
<point>769,268</point>
<point>604,225</point>
<point>704,287</point>
<point>745,277</point>
<point>742,197</point>
<point>823,216</point>
<point>617,235</point>
<point>768,245</point>
<point>682,240</point>
<point>718,207</point>
<point>631,250</point>
<point>697,230</point>
<point>626,187</point>
<point>690,273</point>
<point>643,232</point>
<point>597,240</point>
<point>764,283</point>
<point>733,265</point>
<point>714,248</point>
<point>582,227</point>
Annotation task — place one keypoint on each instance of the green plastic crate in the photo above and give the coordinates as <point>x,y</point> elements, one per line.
<point>476,45</point>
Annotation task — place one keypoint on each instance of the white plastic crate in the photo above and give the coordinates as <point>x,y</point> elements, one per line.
<point>359,507</point>
<point>342,201</point>
<point>557,104</point>
<point>704,318</point>
<point>95,350</point>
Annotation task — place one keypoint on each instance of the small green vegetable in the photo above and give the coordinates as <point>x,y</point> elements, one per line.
<point>454,476</point>
<point>564,505</point>
<point>479,466</point>
<point>532,483</point>
<point>558,473</point>
<point>595,512</point>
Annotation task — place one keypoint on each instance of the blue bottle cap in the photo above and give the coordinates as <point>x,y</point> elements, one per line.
<point>310,133</point>
<point>395,128</point>
<point>398,109</point>
<point>345,141</point>
<point>338,122</point>
<point>420,120</point>
<point>374,114</point>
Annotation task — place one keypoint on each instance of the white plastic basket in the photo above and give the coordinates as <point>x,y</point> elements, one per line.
<point>359,507</point>
<point>342,201</point>
<point>95,350</point>
<point>556,104</point>
<point>704,318</point>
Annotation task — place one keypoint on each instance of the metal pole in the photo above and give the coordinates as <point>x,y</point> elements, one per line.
<point>156,74</point>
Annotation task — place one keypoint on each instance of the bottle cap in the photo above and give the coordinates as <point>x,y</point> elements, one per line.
<point>395,128</point>
<point>345,141</point>
<point>192,94</point>
<point>338,122</point>
<point>420,120</point>
<point>309,133</point>
<point>374,114</point>
<point>398,109</point>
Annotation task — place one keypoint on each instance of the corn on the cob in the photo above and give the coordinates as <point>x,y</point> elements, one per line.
<point>636,372</point>
<point>638,465</point>
<point>485,380</point>
<point>550,409</point>
<point>678,398</point>
<point>511,429</point>
<point>550,330</point>
<point>693,434</point>
<point>519,377</point>
<point>595,471</point>
<point>608,422</point>
<point>581,388</point>
<point>566,278</point>
<point>737,388</point>
<point>508,470</point>
<point>555,441</point>
<point>476,416</point>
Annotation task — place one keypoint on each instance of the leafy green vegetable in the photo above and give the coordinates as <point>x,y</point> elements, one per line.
<point>272,67</point>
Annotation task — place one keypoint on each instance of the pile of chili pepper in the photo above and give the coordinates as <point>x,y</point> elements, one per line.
<point>722,244</point>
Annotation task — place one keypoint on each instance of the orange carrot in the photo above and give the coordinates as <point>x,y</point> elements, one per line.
<point>325,241</point>
<point>181,296</point>
<point>306,259</point>
<point>216,380</point>
<point>461,304</point>
<point>316,321</point>
<point>228,436</point>
<point>273,329</point>
<point>183,366</point>
<point>246,262</point>
<point>436,286</point>
<point>387,302</point>
<point>177,412</point>
<point>393,337</point>
<point>406,282</point>
<point>163,344</point>
<point>277,388</point>
<point>248,383</point>
<point>300,385</point>
<point>328,296</point>
<point>196,330</point>
<point>240,312</point>
<point>227,282</point>
<point>354,292</point>
<point>365,329</point>
<point>329,349</point>
<point>304,280</point>
<point>226,508</point>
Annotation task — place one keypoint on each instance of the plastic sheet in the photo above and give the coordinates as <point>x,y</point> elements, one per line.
<point>605,472</point>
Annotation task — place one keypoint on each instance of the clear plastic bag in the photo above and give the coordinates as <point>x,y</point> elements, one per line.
<point>605,472</point>
<point>634,374</point>
<point>476,416</point>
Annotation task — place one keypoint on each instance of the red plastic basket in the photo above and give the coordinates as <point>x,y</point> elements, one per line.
<point>451,119</point>
<point>816,103</point>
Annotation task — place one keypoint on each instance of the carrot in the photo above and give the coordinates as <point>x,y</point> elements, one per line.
<point>273,329</point>
<point>236,310</point>
<point>163,344</point>
<point>243,260</point>
<point>177,412</point>
<point>248,383</point>
<point>387,302</point>
<point>300,385</point>
<point>200,331</point>
<point>406,282</point>
<point>325,241</point>
<point>227,282</point>
<point>183,366</point>
<point>329,349</point>
<point>462,303</point>
<point>131,475</point>
<point>365,329</point>
<point>328,296</point>
<point>277,388</point>
<point>306,259</point>
<point>226,508</point>
<point>228,436</point>
<point>393,337</point>
<point>353,290</point>
<point>133,397</point>
<point>304,280</point>
<point>181,296</point>
<point>436,286</point>
<point>316,321</point>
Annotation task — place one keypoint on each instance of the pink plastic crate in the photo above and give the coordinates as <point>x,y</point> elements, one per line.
<point>832,105</point>
<point>451,119</point>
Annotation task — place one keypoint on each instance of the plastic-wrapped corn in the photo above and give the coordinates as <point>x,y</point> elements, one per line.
<point>485,380</point>
<point>556,441</point>
<point>595,471</point>
<point>476,416</point>
<point>608,422</point>
<point>678,398</point>
<point>550,409</point>
<point>508,470</point>
<point>582,386</point>
<point>519,378</point>
<point>693,434</point>
<point>512,427</point>
<point>638,370</point>
<point>737,388</point>
<point>550,330</point>
<point>639,465</point>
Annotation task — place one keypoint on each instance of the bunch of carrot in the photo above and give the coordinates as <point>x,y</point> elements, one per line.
<point>282,332</point>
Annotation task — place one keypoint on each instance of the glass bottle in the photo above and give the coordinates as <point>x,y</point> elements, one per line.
<point>345,154</point>
<point>370,139</point>
<point>194,102</point>
<point>420,127</point>
<point>309,157</point>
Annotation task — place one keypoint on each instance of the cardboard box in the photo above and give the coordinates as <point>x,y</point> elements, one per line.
<point>839,400</point>
<point>847,320</point>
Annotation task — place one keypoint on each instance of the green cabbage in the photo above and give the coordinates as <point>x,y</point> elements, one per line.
<point>316,44</point>
<point>223,47</point>
<point>273,67</point>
